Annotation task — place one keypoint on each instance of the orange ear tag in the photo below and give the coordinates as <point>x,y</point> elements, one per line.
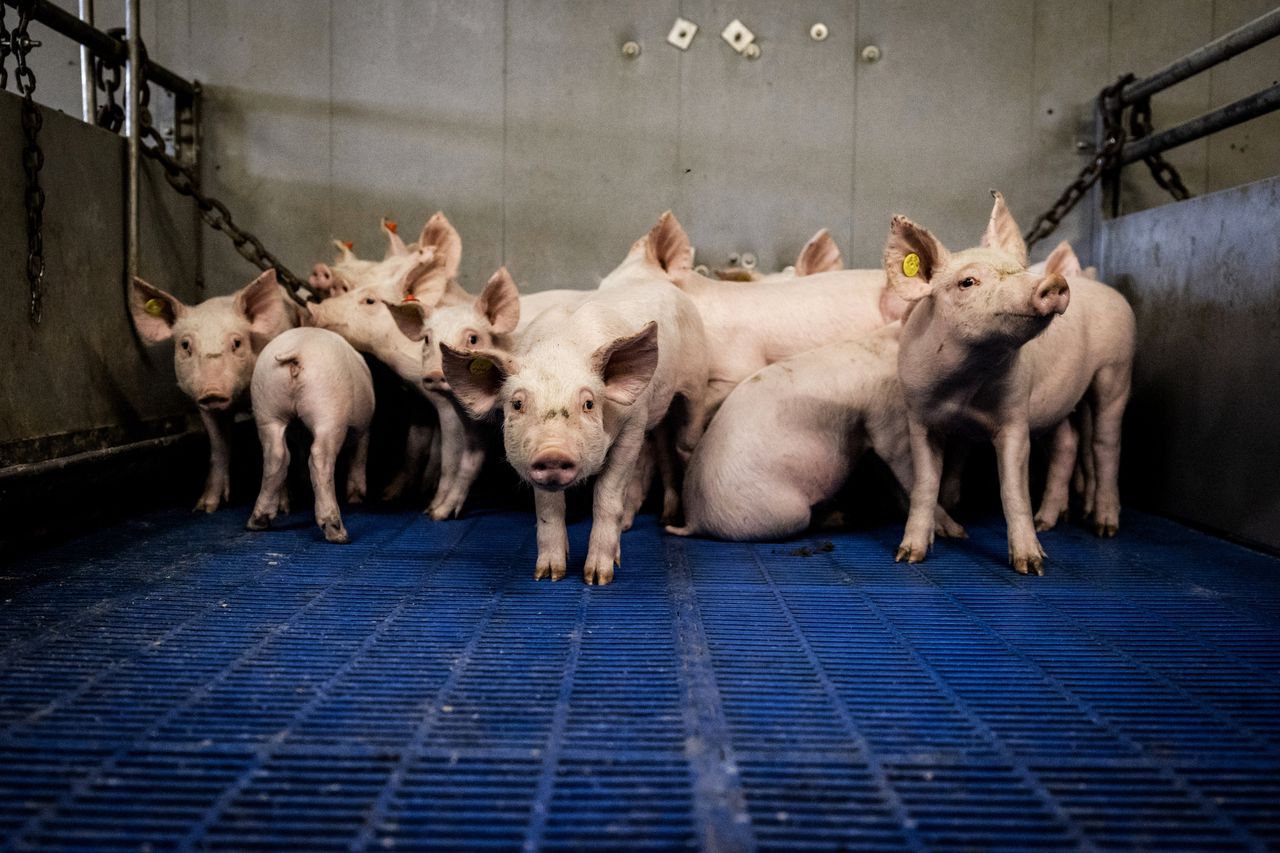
<point>154,307</point>
<point>409,297</point>
<point>391,226</point>
<point>350,244</point>
<point>911,264</point>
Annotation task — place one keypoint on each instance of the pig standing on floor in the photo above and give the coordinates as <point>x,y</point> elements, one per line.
<point>754,324</point>
<point>820,254</point>
<point>982,354</point>
<point>580,391</point>
<point>314,376</point>
<point>487,323</point>
<point>215,346</point>
<point>787,439</point>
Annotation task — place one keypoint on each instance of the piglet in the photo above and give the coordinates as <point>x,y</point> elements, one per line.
<point>989,350</point>
<point>216,344</point>
<point>314,376</point>
<point>820,254</point>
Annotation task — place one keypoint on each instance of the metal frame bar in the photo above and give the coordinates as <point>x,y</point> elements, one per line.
<point>133,129</point>
<point>1224,47</point>
<point>88,90</point>
<point>1257,104</point>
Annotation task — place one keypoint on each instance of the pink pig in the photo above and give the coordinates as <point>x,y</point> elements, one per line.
<point>983,356</point>
<point>820,254</point>
<point>216,344</point>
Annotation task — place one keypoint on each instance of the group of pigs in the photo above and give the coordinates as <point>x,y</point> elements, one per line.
<point>751,397</point>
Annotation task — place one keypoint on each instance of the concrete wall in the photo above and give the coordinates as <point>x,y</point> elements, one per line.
<point>552,152</point>
<point>1201,438</point>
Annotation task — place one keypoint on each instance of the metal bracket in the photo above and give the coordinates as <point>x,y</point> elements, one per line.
<point>682,33</point>
<point>738,36</point>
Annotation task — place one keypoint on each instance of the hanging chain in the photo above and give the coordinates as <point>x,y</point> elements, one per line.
<point>4,50</point>
<point>107,78</point>
<point>1161,169</point>
<point>1106,158</point>
<point>20,44</point>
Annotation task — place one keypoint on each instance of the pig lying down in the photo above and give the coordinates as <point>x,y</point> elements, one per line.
<point>788,438</point>
<point>216,344</point>
<point>820,254</point>
<point>990,350</point>
<point>314,376</point>
<point>579,392</point>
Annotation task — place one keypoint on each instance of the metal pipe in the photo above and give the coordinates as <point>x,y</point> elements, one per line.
<point>133,128</point>
<point>1255,32</point>
<point>98,42</point>
<point>35,469</point>
<point>88,91</point>
<point>1232,114</point>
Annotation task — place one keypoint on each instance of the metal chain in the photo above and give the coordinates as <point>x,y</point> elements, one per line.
<point>110,113</point>
<point>20,44</point>
<point>4,50</point>
<point>1161,169</point>
<point>1113,138</point>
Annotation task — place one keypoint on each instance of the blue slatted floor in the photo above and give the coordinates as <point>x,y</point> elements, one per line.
<point>176,681</point>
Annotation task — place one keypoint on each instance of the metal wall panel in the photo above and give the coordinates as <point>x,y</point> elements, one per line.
<point>766,145</point>
<point>1201,429</point>
<point>591,136</point>
<point>425,137</point>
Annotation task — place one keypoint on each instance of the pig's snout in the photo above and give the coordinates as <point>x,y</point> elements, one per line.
<point>553,469</point>
<point>216,402</point>
<point>1052,296</point>
<point>320,277</point>
<point>435,381</point>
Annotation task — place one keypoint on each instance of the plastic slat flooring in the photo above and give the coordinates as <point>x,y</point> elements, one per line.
<point>178,682</point>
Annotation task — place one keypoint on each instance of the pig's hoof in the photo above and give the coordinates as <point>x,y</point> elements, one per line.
<point>949,528</point>
<point>912,553</point>
<point>355,496</point>
<point>207,503</point>
<point>598,571</point>
<point>442,512</point>
<point>392,492</point>
<point>258,521</point>
<point>1028,564</point>
<point>1048,519</point>
<point>334,532</point>
<point>1106,528</point>
<point>628,520</point>
<point>283,506</point>
<point>549,568</point>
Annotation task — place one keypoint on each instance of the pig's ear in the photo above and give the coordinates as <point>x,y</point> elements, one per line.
<point>441,236</point>
<point>668,246</point>
<point>499,303</point>
<point>425,281</point>
<point>261,302</point>
<point>345,254</point>
<point>1002,232</point>
<point>820,254</point>
<point>911,257</point>
<point>476,377</point>
<point>154,311</point>
<point>411,318</point>
<point>395,244</point>
<point>1063,261</point>
<point>627,364</point>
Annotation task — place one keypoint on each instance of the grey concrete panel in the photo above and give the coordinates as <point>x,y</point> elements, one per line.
<point>1201,431</point>
<point>1145,36</point>
<point>82,368</point>
<point>1250,151</point>
<point>267,126</point>
<point>944,116</point>
<point>766,145</point>
<point>427,136</point>
<point>591,136</point>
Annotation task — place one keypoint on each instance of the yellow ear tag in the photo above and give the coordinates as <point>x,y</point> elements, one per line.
<point>480,366</point>
<point>911,264</point>
<point>154,307</point>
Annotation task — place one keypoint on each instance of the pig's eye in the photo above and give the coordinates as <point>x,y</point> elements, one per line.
<point>588,404</point>
<point>473,339</point>
<point>369,300</point>
<point>235,344</point>
<point>969,281</point>
<point>517,405</point>
<point>186,346</point>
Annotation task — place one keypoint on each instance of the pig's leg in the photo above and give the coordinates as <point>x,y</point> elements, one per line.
<point>605,548</point>
<point>452,446</point>
<point>957,454</point>
<point>639,485</point>
<point>553,539</point>
<point>356,484</point>
<point>926,466</point>
<point>1087,473</point>
<point>664,453</point>
<point>275,470</point>
<point>1062,459</point>
<point>416,446</point>
<point>431,471</point>
<point>324,452</point>
<point>1111,395</point>
<point>897,455</point>
<point>1013,451</point>
<point>470,461</point>
<point>217,487</point>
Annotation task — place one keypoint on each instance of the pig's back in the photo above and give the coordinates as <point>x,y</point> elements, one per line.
<point>534,304</point>
<point>1096,330</point>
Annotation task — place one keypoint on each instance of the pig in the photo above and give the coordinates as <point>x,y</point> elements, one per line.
<point>754,324</point>
<point>489,322</point>
<point>215,346</point>
<point>580,390</point>
<point>989,350</point>
<point>314,376</point>
<point>820,254</point>
<point>439,239</point>
<point>787,439</point>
